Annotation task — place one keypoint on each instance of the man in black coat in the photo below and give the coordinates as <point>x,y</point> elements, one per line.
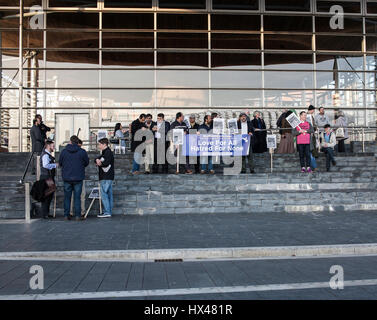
<point>260,136</point>
<point>161,144</point>
<point>138,124</point>
<point>180,124</point>
<point>37,142</point>
<point>245,127</point>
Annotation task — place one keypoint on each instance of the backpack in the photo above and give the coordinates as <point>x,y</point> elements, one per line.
<point>38,189</point>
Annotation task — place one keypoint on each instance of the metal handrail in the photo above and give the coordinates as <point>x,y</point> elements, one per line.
<point>27,167</point>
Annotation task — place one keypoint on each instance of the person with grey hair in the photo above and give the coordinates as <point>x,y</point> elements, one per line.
<point>260,144</point>
<point>341,121</point>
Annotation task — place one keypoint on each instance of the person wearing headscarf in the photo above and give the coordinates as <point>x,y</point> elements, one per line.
<point>341,121</point>
<point>287,141</point>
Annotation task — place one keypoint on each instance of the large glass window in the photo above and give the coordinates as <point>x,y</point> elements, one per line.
<point>287,5</point>
<point>288,61</point>
<point>182,21</point>
<point>235,22</point>
<point>73,3</point>
<point>287,42</point>
<point>187,4</point>
<point>128,3</point>
<point>235,4</point>
<point>182,40</point>
<point>348,7</point>
<point>127,21</point>
<point>288,23</point>
<point>235,60</point>
<point>235,41</point>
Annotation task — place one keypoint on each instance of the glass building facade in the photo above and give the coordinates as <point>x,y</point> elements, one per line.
<point>113,60</point>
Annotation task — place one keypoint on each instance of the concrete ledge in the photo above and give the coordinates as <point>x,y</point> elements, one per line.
<point>197,254</point>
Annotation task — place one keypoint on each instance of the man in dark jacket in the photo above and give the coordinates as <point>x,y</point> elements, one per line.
<point>44,129</point>
<point>194,127</point>
<point>36,142</point>
<point>73,161</point>
<point>161,146</point>
<point>105,163</point>
<point>180,124</point>
<point>138,124</point>
<point>245,127</point>
<point>205,128</point>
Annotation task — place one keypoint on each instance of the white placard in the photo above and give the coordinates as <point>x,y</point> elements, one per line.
<point>293,120</point>
<point>94,194</point>
<point>178,137</point>
<point>218,126</point>
<point>233,126</point>
<point>271,141</point>
<point>187,122</point>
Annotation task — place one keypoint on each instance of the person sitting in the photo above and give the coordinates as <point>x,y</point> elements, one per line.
<point>328,143</point>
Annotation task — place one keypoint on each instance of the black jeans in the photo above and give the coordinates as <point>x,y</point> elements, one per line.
<point>304,152</point>
<point>46,205</point>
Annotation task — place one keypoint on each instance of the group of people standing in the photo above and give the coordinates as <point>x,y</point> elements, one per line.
<point>314,133</point>
<point>73,160</point>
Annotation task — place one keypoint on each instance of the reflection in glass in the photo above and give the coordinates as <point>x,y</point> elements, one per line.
<point>182,78</point>
<point>371,63</point>
<point>235,60</point>
<point>182,21</point>
<point>72,98</point>
<point>127,59</point>
<point>288,61</point>
<point>114,98</point>
<point>297,99</point>
<point>235,4</point>
<point>339,80</point>
<point>288,80</point>
<point>72,78</point>
<point>73,3</point>
<point>236,79</point>
<point>287,42</point>
<point>72,59</point>
<point>287,5</point>
<point>339,62</point>
<point>237,98</point>
<point>371,80</point>
<point>340,99</point>
<point>288,23</point>
<point>127,78</point>
<point>127,21</point>
<point>182,59</point>
<point>235,41</point>
<point>85,40</point>
<point>351,25</point>
<point>127,40</point>
<point>73,20</point>
<point>340,43</point>
<point>182,40</point>
<point>182,98</point>
<point>178,4</point>
<point>348,7</point>
<point>235,22</point>
<point>128,3</point>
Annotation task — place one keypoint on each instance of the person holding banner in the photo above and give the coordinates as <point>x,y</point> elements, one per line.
<point>247,128</point>
<point>303,132</point>
<point>161,146</point>
<point>205,128</point>
<point>180,124</point>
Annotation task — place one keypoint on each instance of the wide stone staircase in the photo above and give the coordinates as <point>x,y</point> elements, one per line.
<point>350,186</point>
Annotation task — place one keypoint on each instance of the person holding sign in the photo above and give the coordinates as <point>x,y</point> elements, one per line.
<point>260,144</point>
<point>286,142</point>
<point>247,128</point>
<point>180,124</point>
<point>303,132</point>
<point>205,128</point>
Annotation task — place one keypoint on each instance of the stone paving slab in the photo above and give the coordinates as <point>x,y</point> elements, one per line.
<point>84,277</point>
<point>191,231</point>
